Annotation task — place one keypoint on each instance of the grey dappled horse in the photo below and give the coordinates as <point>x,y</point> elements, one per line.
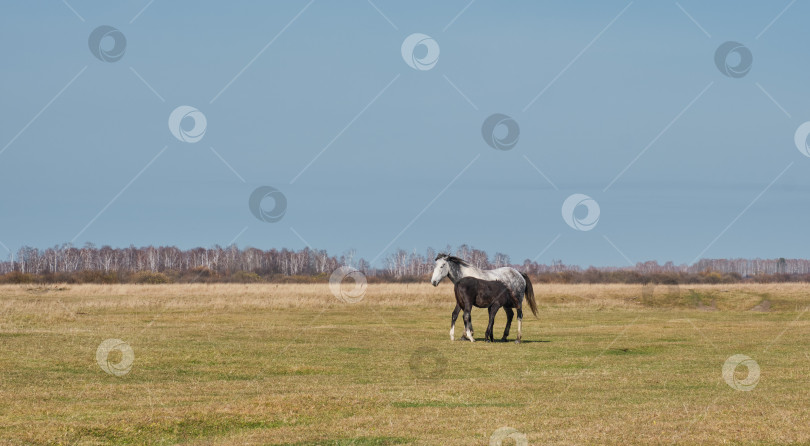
<point>517,282</point>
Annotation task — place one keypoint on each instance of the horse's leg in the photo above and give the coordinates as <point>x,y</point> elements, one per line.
<point>453,322</point>
<point>520,323</point>
<point>468,324</point>
<point>509,315</point>
<point>493,310</point>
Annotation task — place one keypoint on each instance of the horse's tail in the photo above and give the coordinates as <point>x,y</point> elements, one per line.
<point>530,294</point>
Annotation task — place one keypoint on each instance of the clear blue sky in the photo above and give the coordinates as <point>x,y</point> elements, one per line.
<point>615,79</point>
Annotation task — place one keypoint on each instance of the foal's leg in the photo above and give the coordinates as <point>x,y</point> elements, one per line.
<point>468,324</point>
<point>453,323</point>
<point>520,323</point>
<point>509,315</point>
<point>493,310</point>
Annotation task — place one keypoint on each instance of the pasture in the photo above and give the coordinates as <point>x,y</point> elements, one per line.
<point>290,364</point>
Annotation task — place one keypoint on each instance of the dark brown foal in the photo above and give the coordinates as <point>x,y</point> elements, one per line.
<point>491,294</point>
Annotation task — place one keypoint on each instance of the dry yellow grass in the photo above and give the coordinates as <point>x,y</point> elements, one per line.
<point>58,299</point>
<point>286,364</point>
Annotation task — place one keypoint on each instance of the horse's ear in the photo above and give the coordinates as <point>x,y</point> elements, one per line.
<point>441,256</point>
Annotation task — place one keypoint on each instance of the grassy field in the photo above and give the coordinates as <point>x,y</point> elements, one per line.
<point>293,365</point>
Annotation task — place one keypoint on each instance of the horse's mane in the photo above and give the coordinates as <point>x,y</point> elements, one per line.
<point>453,259</point>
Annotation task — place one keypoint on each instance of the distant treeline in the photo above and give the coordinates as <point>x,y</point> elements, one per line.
<point>168,264</point>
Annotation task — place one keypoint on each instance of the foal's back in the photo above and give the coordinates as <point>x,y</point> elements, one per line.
<point>482,293</point>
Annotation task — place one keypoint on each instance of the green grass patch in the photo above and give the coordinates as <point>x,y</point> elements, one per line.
<point>167,432</point>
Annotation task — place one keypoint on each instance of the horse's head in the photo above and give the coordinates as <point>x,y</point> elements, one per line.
<point>440,270</point>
